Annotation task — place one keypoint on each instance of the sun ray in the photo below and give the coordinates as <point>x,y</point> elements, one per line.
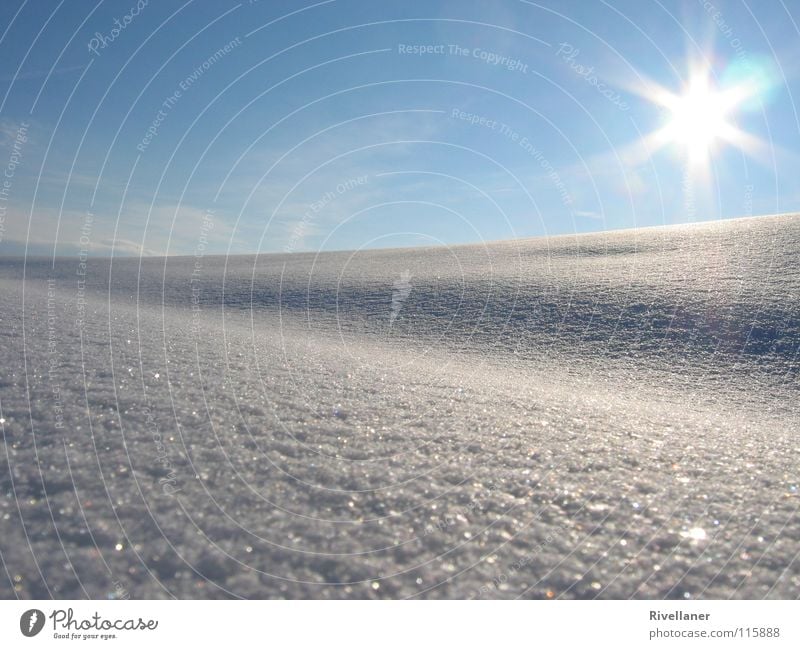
<point>699,118</point>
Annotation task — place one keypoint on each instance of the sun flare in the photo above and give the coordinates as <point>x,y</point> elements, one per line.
<point>699,117</point>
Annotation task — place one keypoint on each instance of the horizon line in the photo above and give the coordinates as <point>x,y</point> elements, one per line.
<point>485,242</point>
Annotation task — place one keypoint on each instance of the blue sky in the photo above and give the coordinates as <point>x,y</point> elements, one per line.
<point>293,126</point>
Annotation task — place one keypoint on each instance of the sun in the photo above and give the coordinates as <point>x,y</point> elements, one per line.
<point>699,118</point>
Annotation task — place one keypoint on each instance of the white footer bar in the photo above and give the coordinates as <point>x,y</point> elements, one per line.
<point>388,624</point>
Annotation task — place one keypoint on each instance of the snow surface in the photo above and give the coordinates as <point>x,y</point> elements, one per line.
<point>609,415</point>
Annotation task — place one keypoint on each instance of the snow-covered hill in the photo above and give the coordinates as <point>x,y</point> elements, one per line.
<point>608,415</point>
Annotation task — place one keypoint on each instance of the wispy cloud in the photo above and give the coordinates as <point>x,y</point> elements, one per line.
<point>42,74</point>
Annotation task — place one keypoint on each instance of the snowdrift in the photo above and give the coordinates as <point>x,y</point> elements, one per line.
<point>609,415</point>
